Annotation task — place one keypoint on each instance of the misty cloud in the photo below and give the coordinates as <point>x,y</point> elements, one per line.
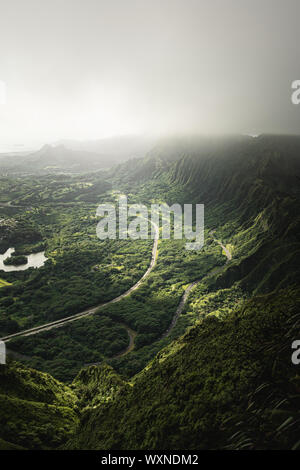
<point>89,69</point>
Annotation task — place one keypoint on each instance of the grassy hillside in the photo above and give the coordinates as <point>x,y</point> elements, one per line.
<point>222,377</point>
<point>227,383</point>
<point>39,412</point>
<point>36,411</point>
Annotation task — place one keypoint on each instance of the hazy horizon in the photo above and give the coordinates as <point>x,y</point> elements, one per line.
<point>90,70</point>
<point>76,144</point>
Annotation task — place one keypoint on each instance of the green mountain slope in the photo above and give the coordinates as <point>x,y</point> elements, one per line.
<point>39,412</point>
<point>250,188</point>
<point>36,411</point>
<point>226,380</point>
<point>202,389</point>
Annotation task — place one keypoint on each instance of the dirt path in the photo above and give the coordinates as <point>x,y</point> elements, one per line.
<point>193,284</point>
<point>131,335</point>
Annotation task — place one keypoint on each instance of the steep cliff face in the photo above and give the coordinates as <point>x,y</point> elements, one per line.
<point>251,192</point>
<point>221,168</point>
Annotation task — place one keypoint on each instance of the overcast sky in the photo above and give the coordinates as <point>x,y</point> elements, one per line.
<point>86,69</point>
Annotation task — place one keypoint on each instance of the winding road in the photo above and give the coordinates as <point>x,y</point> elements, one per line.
<point>131,333</point>
<point>91,311</point>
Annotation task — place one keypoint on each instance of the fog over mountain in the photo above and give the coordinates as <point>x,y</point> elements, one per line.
<point>87,70</point>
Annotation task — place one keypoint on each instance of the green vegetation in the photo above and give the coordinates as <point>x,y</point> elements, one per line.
<point>210,389</point>
<point>36,411</point>
<point>223,377</point>
<point>96,386</point>
<point>64,351</point>
<point>4,283</point>
<point>148,311</point>
<point>16,260</point>
<point>69,282</point>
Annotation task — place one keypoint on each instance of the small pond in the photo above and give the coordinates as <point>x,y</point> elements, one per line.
<point>35,260</point>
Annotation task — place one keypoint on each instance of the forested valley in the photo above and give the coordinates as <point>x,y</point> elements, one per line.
<point>220,374</point>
